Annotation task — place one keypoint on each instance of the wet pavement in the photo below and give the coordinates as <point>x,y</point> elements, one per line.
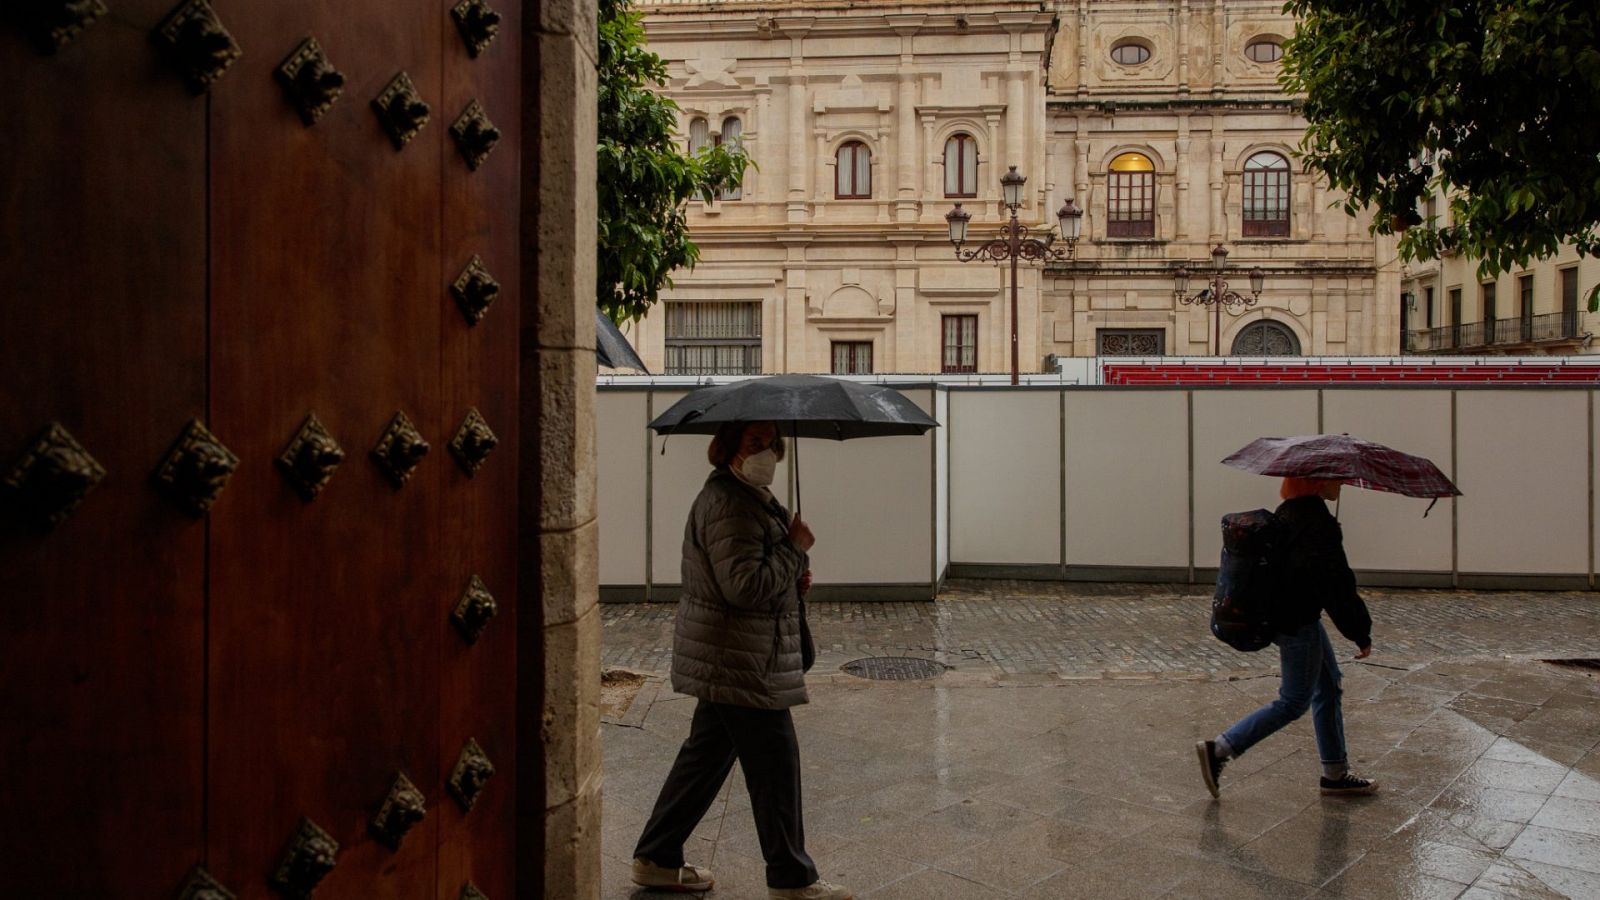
<point>1055,758</point>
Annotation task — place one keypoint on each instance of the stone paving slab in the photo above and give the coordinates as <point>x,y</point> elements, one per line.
<point>1050,628</point>
<point>1055,759</point>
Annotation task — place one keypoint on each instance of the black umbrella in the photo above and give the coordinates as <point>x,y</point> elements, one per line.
<point>803,406</point>
<point>611,349</point>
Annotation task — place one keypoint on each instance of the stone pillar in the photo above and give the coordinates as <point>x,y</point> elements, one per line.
<point>1016,121</point>
<point>1180,212</point>
<point>799,161</point>
<point>558,622</point>
<point>1219,222</point>
<point>1219,22</point>
<point>905,139</point>
<point>1183,47</point>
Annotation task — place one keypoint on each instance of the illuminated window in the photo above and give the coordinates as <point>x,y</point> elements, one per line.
<point>1131,197</point>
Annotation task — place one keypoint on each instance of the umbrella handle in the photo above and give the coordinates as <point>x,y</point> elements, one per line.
<point>794,439</point>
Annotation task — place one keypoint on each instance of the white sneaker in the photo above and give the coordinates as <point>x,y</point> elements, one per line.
<point>817,890</point>
<point>686,879</point>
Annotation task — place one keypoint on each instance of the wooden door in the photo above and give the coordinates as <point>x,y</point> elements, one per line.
<point>203,689</point>
<point>102,330</point>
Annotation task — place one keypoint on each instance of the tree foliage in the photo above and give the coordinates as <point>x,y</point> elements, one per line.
<point>1497,102</point>
<point>645,178</point>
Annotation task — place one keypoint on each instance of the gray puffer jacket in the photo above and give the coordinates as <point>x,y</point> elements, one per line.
<point>737,636</point>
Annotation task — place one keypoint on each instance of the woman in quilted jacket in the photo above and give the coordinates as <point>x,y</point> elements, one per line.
<point>1316,579</point>
<point>737,648</point>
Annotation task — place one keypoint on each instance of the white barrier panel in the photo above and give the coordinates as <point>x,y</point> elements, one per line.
<point>1224,421</point>
<point>1523,456</point>
<point>621,451</point>
<point>990,487</point>
<point>1005,459</point>
<point>1386,531</point>
<point>1127,478</point>
<point>870,502</point>
<point>941,482</point>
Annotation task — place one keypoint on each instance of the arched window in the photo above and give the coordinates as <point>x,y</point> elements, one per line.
<point>1131,197</point>
<point>699,134</point>
<point>731,130</point>
<point>852,176</point>
<point>1266,196</point>
<point>1266,338</point>
<point>961,166</point>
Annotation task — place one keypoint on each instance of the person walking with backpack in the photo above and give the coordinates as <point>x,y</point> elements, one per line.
<point>1314,577</point>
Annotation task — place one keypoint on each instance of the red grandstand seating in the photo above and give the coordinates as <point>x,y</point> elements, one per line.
<point>1348,373</point>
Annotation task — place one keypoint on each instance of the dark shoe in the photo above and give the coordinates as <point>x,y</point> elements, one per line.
<point>1348,784</point>
<point>1210,764</point>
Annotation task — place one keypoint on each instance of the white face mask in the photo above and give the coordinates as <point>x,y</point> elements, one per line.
<point>758,468</point>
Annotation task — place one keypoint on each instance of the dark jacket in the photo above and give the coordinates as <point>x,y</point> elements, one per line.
<point>737,635</point>
<point>1316,575</point>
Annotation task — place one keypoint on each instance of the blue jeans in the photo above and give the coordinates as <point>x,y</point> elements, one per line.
<point>1310,681</point>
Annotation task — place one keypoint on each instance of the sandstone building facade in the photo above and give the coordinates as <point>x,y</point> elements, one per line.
<point>1161,119</point>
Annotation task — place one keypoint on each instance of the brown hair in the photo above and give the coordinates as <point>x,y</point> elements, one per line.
<point>725,443</point>
<point>1303,487</point>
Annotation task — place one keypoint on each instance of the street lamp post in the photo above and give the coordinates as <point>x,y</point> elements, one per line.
<point>1216,292</point>
<point>1016,241</point>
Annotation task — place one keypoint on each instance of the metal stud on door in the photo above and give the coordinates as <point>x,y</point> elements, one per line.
<point>51,477</point>
<point>196,470</point>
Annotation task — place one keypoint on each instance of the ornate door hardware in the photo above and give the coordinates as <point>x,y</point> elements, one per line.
<point>310,459</point>
<point>201,886</point>
<point>199,46</point>
<point>477,23</point>
<point>474,134</point>
<point>52,477</point>
<point>475,290</point>
<point>473,770</point>
<point>310,80</point>
<point>196,469</point>
<point>401,809</point>
<point>474,610</point>
<point>53,24</point>
<point>310,856</point>
<point>401,110</point>
<point>473,442</point>
<point>399,450</point>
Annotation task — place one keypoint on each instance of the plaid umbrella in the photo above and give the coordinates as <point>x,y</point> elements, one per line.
<point>1340,457</point>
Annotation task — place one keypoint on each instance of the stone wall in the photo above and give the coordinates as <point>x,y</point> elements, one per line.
<point>559,801</point>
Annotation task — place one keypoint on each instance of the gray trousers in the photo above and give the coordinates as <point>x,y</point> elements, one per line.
<point>764,743</point>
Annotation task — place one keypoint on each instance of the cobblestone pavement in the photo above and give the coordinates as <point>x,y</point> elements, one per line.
<point>1021,627</point>
<point>1055,759</point>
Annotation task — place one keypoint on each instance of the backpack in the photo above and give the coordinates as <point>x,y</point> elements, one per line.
<point>1248,578</point>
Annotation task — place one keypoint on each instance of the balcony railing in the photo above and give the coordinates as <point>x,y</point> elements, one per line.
<point>1559,326</point>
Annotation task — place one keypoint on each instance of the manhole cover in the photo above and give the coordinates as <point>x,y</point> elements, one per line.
<point>1575,663</point>
<point>893,668</point>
